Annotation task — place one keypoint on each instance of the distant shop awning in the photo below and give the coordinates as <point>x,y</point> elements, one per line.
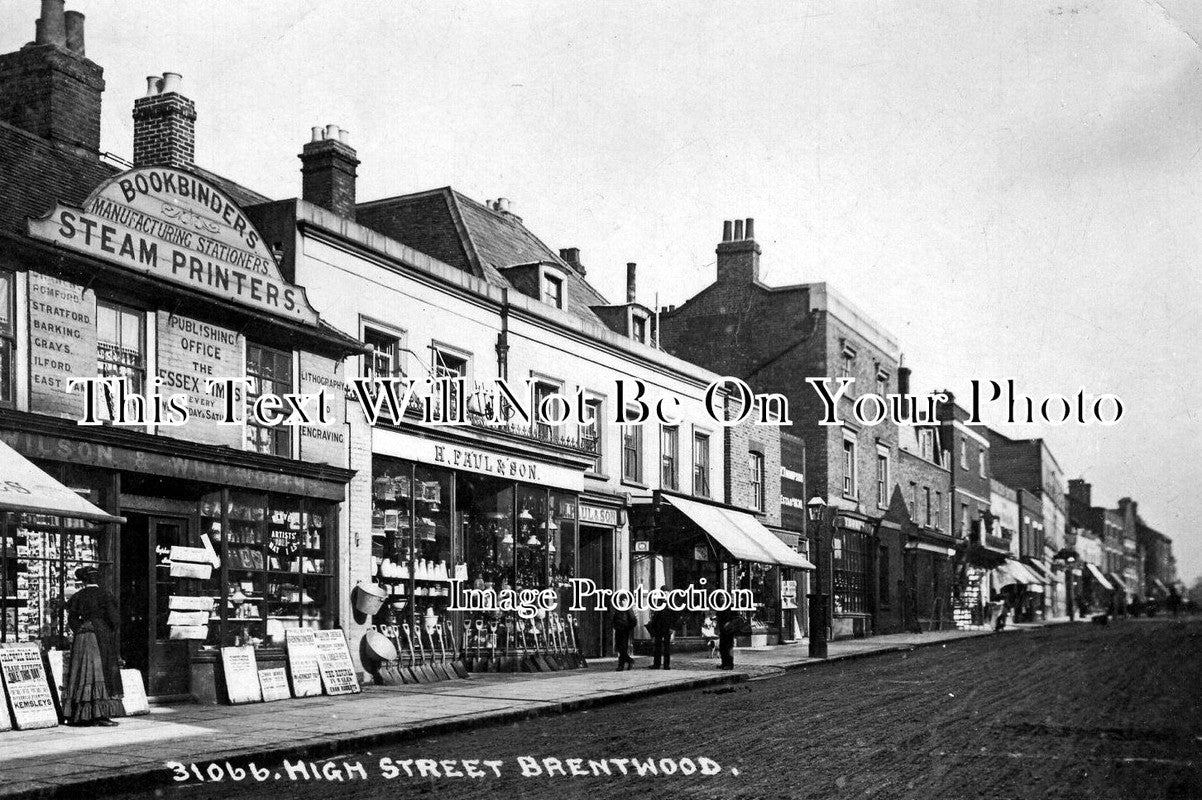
<point>1026,574</point>
<point>1118,581</point>
<point>1097,575</point>
<point>1160,585</point>
<point>1042,569</point>
<point>29,490</point>
<point>740,534</point>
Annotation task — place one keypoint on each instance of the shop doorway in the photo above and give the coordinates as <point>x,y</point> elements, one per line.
<point>146,589</point>
<point>597,565</point>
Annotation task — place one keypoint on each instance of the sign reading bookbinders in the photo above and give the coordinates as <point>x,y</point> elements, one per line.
<point>334,663</point>
<point>241,675</point>
<point>27,686</point>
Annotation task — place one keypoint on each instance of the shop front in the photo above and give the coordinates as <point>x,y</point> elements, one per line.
<point>447,512</point>
<point>683,542</point>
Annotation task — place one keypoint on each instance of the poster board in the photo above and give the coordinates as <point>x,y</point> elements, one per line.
<point>241,675</point>
<point>302,662</point>
<point>185,603</point>
<point>6,720</point>
<point>27,686</point>
<point>274,684</point>
<point>334,663</point>
<point>134,689</point>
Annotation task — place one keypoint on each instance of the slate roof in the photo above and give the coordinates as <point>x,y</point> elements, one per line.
<point>465,234</point>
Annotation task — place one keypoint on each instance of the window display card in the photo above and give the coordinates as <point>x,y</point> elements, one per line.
<point>183,603</point>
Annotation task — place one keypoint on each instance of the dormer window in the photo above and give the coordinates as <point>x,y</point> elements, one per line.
<point>553,290</point>
<point>638,328</point>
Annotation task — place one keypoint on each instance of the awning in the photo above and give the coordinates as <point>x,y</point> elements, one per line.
<point>1118,581</point>
<point>1097,575</point>
<point>1011,572</point>
<point>1041,569</point>
<point>26,489</point>
<point>1026,574</point>
<point>740,534</point>
<point>1003,575</point>
<point>1157,582</point>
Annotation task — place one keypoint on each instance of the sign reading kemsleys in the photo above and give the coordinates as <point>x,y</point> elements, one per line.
<point>178,227</point>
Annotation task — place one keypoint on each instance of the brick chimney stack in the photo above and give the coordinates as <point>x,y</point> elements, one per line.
<point>738,254</point>
<point>328,171</point>
<point>631,268</point>
<point>48,87</point>
<point>164,124</point>
<point>571,257</point>
<point>1081,491</point>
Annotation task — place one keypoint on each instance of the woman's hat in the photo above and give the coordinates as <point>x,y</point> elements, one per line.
<point>87,574</point>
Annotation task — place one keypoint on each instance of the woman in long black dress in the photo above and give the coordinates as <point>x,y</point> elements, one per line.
<point>94,677</point>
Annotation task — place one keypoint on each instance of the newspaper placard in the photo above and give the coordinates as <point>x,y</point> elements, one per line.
<point>28,686</point>
<point>334,662</point>
<point>274,683</point>
<point>134,687</point>
<point>302,662</point>
<point>241,675</point>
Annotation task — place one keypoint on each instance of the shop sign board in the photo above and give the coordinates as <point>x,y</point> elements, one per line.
<point>62,344</point>
<point>134,687</point>
<point>241,675</point>
<point>191,353</point>
<point>473,459</point>
<point>598,515</point>
<point>274,684</point>
<point>334,663</point>
<point>323,444</point>
<point>27,686</point>
<point>302,662</point>
<point>181,229</point>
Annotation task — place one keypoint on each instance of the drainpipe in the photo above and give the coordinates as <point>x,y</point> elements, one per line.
<point>503,338</point>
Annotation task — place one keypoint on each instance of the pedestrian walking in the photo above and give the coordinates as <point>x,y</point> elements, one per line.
<point>623,623</point>
<point>661,627</point>
<point>1173,601</point>
<point>729,623</point>
<point>94,676</point>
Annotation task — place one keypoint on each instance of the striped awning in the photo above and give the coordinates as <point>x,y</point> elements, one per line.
<point>1098,577</point>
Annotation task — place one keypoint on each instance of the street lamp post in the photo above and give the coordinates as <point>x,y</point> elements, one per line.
<point>816,511</point>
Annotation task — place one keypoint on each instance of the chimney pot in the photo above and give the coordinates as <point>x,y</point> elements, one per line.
<point>331,131</point>
<point>738,229</point>
<point>38,36</point>
<point>171,81</point>
<point>749,232</point>
<point>342,134</point>
<point>74,24</point>
<point>502,205</point>
<point>53,29</point>
<point>153,84</point>
<point>726,231</point>
<point>315,133</point>
<point>630,281</point>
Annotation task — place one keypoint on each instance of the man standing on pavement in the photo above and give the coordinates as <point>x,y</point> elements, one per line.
<point>728,627</point>
<point>661,626</point>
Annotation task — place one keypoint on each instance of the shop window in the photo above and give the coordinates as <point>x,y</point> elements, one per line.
<point>38,558</point>
<point>670,458</point>
<point>701,464</point>
<point>277,565</point>
<point>120,348</point>
<point>452,369</point>
<point>849,468</point>
<point>8,339</point>
<point>269,372</point>
<point>387,358</point>
<point>590,434</point>
<point>755,464</point>
<point>687,571</point>
<point>632,453</point>
<point>926,444</point>
<point>553,290</point>
<point>849,553</point>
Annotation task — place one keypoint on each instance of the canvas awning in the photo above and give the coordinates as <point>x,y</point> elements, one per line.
<point>1040,569</point>
<point>1117,580</point>
<point>740,534</point>
<point>1010,572</point>
<point>1160,585</point>
<point>26,489</point>
<point>1097,575</point>
<point>1026,574</point>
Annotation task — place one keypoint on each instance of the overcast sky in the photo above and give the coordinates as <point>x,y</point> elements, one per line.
<point>1010,188</point>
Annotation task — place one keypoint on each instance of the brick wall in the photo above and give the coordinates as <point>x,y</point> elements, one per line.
<point>52,93</point>
<point>328,176</point>
<point>742,440</point>
<point>164,132</point>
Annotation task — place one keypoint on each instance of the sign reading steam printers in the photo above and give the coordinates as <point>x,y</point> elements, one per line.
<point>180,228</point>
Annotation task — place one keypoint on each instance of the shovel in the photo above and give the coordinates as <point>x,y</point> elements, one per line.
<point>540,659</point>
<point>549,644</point>
<point>403,672</point>
<point>427,670</point>
<point>469,659</point>
<point>494,661</point>
<point>566,656</point>
<point>414,667</point>
<point>437,657</point>
<point>384,673</point>
<point>510,661</point>
<point>457,663</point>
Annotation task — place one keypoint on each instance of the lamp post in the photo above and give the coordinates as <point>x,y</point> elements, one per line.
<point>816,512</point>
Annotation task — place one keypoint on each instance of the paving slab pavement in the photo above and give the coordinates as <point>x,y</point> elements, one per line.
<point>64,761</point>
